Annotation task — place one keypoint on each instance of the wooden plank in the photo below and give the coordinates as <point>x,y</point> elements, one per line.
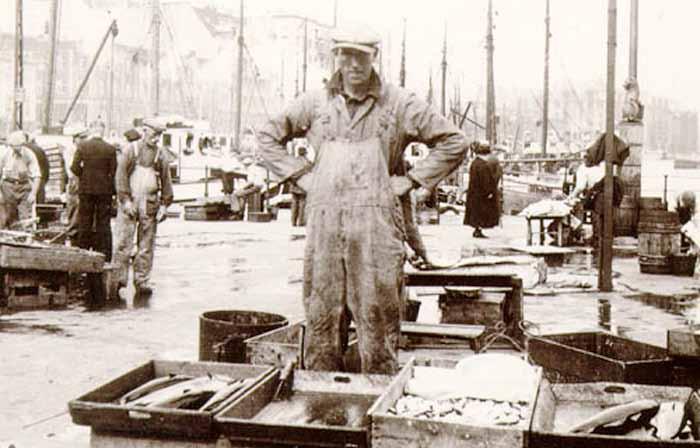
<point>487,310</point>
<point>456,278</point>
<point>50,258</point>
<point>451,330</point>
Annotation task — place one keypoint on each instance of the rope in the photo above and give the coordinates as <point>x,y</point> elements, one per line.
<point>499,332</point>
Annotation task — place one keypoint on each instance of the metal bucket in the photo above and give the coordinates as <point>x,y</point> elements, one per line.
<point>222,334</point>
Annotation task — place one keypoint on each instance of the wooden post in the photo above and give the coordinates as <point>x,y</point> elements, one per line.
<point>305,62</point>
<point>490,87</point>
<point>239,79</point>
<point>110,101</point>
<point>444,73</point>
<point>606,238</point>
<point>155,57</point>
<point>52,66</point>
<point>19,68</point>
<point>402,71</point>
<point>545,93</point>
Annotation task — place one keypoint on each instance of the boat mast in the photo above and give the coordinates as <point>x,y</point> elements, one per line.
<point>545,93</point>
<point>19,67</point>
<point>155,56</point>
<point>490,88</point>
<point>444,71</point>
<point>48,105</point>
<point>239,79</point>
<point>402,71</point>
<point>304,64</point>
<point>606,238</point>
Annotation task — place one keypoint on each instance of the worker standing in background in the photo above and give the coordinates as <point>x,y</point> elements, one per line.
<point>43,163</point>
<point>144,191</point>
<point>482,208</point>
<point>71,198</point>
<point>354,256</point>
<point>299,195</point>
<point>19,180</point>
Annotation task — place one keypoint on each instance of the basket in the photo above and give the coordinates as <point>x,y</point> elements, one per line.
<point>683,265</point>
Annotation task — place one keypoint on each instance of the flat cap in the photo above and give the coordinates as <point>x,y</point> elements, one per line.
<point>17,138</point>
<point>132,135</point>
<point>356,37</point>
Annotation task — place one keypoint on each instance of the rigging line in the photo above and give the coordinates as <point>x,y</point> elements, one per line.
<point>255,78</point>
<point>549,120</point>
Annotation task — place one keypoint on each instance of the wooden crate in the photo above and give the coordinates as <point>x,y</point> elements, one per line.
<point>599,356</point>
<point>326,409</point>
<point>99,408</point>
<point>207,210</point>
<point>49,258</point>
<point>28,289</point>
<point>684,342</point>
<point>438,345</point>
<point>488,309</point>
<point>559,406</point>
<point>392,431</point>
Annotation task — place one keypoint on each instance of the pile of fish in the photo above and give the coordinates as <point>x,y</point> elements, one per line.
<point>470,411</point>
<point>202,393</point>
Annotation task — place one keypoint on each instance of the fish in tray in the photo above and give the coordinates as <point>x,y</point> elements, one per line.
<point>202,393</point>
<point>462,410</point>
<point>644,419</point>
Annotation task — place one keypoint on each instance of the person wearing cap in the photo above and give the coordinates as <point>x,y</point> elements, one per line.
<point>71,186</point>
<point>19,180</point>
<point>482,208</point>
<point>256,180</point>
<point>354,257</point>
<point>144,191</point>
<point>299,195</point>
<point>44,168</point>
<point>94,164</point>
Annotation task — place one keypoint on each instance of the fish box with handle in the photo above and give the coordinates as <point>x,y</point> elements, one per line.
<point>392,428</point>
<point>102,408</point>
<point>609,415</point>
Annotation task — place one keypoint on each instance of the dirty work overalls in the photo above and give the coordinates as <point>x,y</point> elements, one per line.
<point>354,257</point>
<point>15,187</point>
<point>144,185</point>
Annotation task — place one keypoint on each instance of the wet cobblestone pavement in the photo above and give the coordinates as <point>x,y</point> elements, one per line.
<point>51,357</point>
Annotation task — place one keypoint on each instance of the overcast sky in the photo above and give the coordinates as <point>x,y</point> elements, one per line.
<point>669,31</point>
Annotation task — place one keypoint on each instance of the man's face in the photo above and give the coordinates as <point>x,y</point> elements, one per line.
<point>355,65</point>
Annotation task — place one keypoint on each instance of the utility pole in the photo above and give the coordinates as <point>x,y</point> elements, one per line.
<point>402,71</point>
<point>634,38</point>
<point>545,93</point>
<point>304,63</point>
<point>19,68</point>
<point>444,72</point>
<point>53,32</point>
<point>606,238</point>
<point>490,88</point>
<point>155,57</point>
<point>110,103</point>
<point>335,25</point>
<point>239,79</point>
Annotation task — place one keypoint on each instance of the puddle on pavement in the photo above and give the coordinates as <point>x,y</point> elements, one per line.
<point>677,304</point>
<point>19,327</point>
<point>201,240</point>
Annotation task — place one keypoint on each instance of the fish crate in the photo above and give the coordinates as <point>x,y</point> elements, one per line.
<point>393,431</point>
<point>101,410</point>
<point>560,407</point>
<point>439,345</point>
<point>684,342</point>
<point>324,409</point>
<point>207,211</point>
<point>29,289</point>
<point>487,308</point>
<point>599,356</point>
<point>278,347</point>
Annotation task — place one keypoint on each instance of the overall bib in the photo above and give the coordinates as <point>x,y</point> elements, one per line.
<point>143,183</point>
<point>354,257</point>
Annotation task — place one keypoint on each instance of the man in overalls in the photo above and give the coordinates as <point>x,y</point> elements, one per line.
<point>19,180</point>
<point>354,256</point>
<point>144,191</point>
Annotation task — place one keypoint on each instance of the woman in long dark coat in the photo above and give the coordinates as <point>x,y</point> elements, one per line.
<point>482,208</point>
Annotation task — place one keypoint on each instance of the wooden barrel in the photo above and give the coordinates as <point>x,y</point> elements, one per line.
<point>649,203</point>
<point>659,238</point>
<point>626,217</point>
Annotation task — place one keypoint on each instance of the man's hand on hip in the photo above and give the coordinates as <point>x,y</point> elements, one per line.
<point>401,185</point>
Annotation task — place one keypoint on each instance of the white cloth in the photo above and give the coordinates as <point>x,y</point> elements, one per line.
<point>587,176</point>
<point>546,207</point>
<point>257,175</point>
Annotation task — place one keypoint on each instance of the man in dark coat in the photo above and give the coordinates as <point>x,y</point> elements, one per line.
<point>95,164</point>
<point>43,163</point>
<point>482,208</point>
